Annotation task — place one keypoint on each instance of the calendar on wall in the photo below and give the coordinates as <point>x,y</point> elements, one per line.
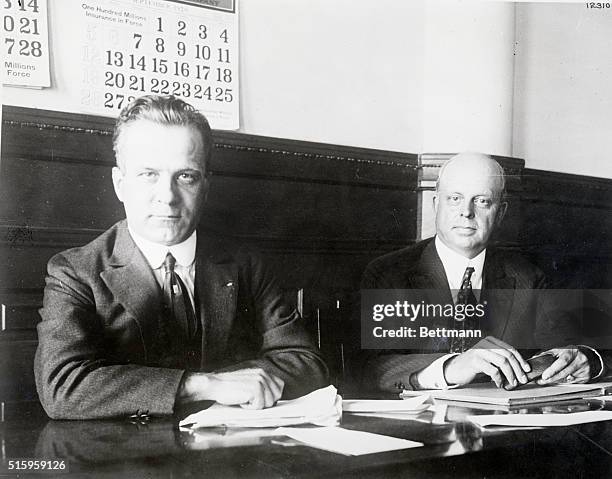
<point>25,43</point>
<point>185,48</point>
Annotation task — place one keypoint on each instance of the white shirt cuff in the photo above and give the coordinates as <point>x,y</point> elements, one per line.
<point>432,377</point>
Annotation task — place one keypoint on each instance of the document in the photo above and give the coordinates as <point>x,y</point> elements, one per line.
<point>346,441</point>
<point>413,405</point>
<point>321,407</point>
<point>488,393</point>
<point>25,42</point>
<point>569,419</point>
<point>397,409</point>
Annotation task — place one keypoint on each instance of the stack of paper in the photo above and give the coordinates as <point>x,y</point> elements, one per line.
<point>408,406</point>
<point>322,407</point>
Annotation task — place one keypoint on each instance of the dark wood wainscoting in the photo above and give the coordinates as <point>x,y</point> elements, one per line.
<point>317,212</point>
<point>567,227</point>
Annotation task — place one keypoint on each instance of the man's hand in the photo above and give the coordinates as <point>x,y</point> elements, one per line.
<point>571,366</point>
<point>249,388</point>
<point>492,357</point>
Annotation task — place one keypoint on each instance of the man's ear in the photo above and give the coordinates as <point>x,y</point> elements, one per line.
<point>501,212</point>
<point>206,187</point>
<point>434,201</point>
<point>118,182</point>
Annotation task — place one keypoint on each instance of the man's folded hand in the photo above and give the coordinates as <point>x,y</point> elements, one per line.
<point>490,356</point>
<point>249,388</point>
<point>571,366</point>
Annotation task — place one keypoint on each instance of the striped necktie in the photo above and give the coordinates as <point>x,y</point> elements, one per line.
<point>176,300</point>
<point>464,296</point>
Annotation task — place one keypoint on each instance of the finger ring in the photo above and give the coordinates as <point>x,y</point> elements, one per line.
<point>569,378</point>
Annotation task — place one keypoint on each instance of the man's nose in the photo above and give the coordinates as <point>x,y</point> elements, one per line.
<point>165,190</point>
<point>467,209</point>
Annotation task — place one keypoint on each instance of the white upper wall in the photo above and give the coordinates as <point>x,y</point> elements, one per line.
<point>347,72</point>
<point>563,88</point>
<point>373,74</point>
<point>468,76</point>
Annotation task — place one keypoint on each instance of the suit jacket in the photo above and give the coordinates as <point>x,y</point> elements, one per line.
<point>510,288</point>
<point>100,320</point>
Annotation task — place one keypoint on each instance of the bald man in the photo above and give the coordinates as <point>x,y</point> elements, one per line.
<point>458,262</point>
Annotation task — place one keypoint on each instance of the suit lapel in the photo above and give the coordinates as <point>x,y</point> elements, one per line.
<point>216,290</point>
<point>499,292</point>
<point>132,283</point>
<point>430,278</point>
<point>429,275</point>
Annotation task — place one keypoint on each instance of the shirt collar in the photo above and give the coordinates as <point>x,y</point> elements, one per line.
<point>155,253</point>
<point>455,264</point>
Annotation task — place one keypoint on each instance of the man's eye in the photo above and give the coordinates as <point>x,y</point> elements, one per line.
<point>188,178</point>
<point>147,175</point>
<point>482,202</point>
<point>454,199</point>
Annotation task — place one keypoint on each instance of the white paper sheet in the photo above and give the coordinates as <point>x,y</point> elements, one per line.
<point>411,405</point>
<point>346,441</point>
<point>25,44</point>
<point>520,420</point>
<point>397,416</point>
<point>321,407</point>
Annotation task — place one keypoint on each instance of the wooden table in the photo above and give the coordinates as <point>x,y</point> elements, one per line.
<point>156,448</point>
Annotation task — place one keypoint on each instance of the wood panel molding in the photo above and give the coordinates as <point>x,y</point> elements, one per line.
<point>60,238</point>
<point>356,165</point>
<point>19,314</point>
<point>562,188</point>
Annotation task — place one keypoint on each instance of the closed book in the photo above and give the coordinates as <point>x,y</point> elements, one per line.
<point>488,393</point>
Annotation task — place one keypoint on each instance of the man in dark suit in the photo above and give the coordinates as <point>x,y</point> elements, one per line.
<point>469,205</point>
<point>153,315</point>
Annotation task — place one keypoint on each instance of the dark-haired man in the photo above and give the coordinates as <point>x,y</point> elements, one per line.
<point>153,314</point>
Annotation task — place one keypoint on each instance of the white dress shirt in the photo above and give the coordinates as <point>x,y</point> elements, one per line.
<point>432,377</point>
<point>184,253</point>
<point>455,265</point>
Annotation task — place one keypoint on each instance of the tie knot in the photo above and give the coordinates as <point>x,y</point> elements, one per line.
<point>467,276</point>
<point>169,263</point>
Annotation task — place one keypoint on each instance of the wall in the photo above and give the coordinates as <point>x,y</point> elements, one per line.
<point>468,77</point>
<point>346,72</point>
<point>359,73</point>
<point>563,100</point>
<point>349,72</point>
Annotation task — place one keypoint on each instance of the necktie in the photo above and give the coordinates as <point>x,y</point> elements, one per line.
<point>176,301</point>
<point>464,296</point>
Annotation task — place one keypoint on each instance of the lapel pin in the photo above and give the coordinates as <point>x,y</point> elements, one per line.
<point>230,284</point>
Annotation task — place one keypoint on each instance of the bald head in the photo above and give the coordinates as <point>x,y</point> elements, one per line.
<point>473,165</point>
<point>469,202</point>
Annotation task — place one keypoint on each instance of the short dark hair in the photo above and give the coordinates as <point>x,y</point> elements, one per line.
<point>164,110</point>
